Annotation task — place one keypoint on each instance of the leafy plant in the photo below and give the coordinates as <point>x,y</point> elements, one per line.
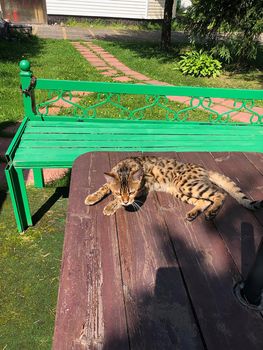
<point>199,64</point>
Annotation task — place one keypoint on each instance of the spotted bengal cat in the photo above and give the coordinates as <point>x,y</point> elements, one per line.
<point>193,184</point>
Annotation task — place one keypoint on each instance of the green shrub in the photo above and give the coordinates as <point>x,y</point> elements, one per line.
<point>199,64</point>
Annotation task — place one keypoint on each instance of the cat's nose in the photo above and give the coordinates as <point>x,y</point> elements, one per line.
<point>125,200</point>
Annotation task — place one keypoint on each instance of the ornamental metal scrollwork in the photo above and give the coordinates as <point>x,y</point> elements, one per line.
<point>137,107</point>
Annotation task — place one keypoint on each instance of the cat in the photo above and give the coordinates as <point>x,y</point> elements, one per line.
<point>135,176</point>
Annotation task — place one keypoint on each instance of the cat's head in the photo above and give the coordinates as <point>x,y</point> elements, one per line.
<point>125,184</point>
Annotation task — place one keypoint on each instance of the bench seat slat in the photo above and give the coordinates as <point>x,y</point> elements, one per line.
<point>135,141</point>
<point>64,157</point>
<point>117,123</point>
<point>53,133</point>
<point>132,137</point>
<point>139,126</point>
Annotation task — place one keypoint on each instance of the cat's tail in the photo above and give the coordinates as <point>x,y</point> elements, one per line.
<point>231,188</point>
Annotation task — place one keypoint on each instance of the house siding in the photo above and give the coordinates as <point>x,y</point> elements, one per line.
<point>93,8</point>
<point>156,9</point>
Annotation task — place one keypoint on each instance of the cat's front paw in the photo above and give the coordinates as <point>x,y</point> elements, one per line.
<point>108,210</point>
<point>91,199</point>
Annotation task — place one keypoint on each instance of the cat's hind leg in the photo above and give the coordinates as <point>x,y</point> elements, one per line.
<point>200,205</point>
<point>112,207</point>
<point>218,201</point>
<point>98,195</point>
<point>204,190</point>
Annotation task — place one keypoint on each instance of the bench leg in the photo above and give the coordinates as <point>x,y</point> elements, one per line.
<point>38,178</point>
<point>17,189</point>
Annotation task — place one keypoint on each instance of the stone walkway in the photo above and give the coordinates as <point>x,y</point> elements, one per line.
<point>108,65</point>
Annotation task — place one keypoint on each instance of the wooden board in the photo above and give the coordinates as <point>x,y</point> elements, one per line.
<point>90,274</point>
<point>159,314</point>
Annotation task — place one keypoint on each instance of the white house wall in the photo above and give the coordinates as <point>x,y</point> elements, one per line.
<point>156,9</point>
<point>136,9</point>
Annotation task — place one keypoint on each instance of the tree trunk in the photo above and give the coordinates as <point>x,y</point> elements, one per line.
<point>167,25</point>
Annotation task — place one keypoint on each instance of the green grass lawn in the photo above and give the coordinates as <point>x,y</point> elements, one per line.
<point>148,59</point>
<point>52,59</point>
<point>29,266</point>
<point>30,263</point>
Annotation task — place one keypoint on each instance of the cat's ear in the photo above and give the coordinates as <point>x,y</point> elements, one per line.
<point>137,175</point>
<point>110,177</point>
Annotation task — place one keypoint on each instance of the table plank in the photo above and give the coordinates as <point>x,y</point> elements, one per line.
<point>159,313</point>
<point>90,310</point>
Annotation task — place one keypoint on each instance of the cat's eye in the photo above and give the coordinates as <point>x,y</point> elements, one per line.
<point>132,192</point>
<point>117,193</point>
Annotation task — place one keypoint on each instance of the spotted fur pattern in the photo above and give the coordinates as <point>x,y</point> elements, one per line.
<point>204,189</point>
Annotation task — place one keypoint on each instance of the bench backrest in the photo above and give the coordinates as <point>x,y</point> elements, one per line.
<point>138,101</point>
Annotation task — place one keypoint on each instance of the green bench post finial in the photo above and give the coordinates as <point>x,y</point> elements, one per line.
<point>25,79</point>
<point>25,68</point>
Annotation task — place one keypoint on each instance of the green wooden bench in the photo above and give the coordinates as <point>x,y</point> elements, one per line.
<point>44,140</point>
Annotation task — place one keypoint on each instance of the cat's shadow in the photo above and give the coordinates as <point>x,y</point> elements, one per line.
<point>138,203</point>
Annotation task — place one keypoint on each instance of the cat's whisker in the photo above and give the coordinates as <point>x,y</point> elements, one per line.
<point>138,201</point>
<point>137,206</point>
<point>133,205</point>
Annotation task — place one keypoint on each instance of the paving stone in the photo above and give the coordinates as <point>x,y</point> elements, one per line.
<point>127,70</point>
<point>156,82</point>
<point>220,109</point>
<point>122,79</point>
<point>259,110</point>
<point>110,73</point>
<point>242,117</point>
<point>51,110</point>
<point>108,56</point>
<point>139,76</point>
<point>92,57</point>
<point>80,93</point>
<point>181,99</point>
<point>100,51</point>
<point>97,64</point>
<point>62,103</point>
<point>102,68</point>
<point>48,174</point>
<point>220,100</point>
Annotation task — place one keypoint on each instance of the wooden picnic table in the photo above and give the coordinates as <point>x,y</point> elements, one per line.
<point>149,279</point>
